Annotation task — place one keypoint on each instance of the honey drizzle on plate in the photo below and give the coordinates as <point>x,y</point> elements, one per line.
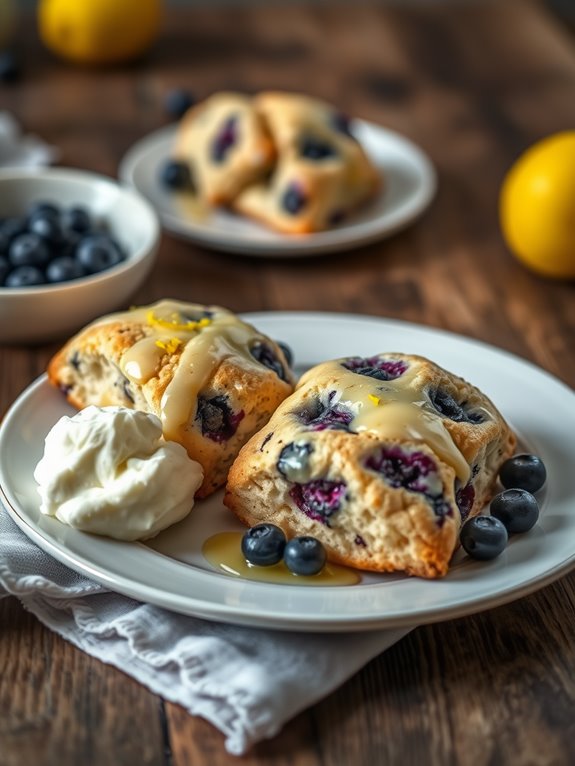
<point>223,551</point>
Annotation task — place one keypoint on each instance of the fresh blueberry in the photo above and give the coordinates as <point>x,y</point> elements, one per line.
<point>9,230</point>
<point>216,418</point>
<point>265,355</point>
<point>293,199</point>
<point>483,537</point>
<point>76,221</point>
<point>319,499</point>
<point>375,367</point>
<point>446,405</point>
<point>25,276</point>
<point>9,67</point>
<point>175,174</point>
<point>97,253</point>
<point>225,139</point>
<point>47,227</point>
<point>28,250</point>
<point>305,556</point>
<point>315,149</point>
<point>264,545</point>
<point>516,509</point>
<point>293,462</point>
<point>287,352</point>
<point>4,269</point>
<point>177,102</point>
<point>63,269</point>
<point>523,471</point>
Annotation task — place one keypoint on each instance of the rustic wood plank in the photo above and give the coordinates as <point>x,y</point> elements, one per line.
<point>61,707</point>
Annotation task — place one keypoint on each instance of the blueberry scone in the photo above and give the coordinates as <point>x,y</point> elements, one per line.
<point>226,145</point>
<point>211,378</point>
<point>380,458</point>
<point>322,173</point>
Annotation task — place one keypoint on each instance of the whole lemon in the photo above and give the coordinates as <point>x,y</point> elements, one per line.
<point>99,31</point>
<point>537,207</point>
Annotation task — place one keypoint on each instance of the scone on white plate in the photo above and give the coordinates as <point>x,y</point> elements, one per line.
<point>212,379</point>
<point>380,458</point>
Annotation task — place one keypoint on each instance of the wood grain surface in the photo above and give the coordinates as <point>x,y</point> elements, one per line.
<point>474,85</point>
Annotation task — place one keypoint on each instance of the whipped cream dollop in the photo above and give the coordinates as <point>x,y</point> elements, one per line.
<point>108,470</point>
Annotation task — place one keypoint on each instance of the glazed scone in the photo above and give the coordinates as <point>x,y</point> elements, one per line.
<point>212,379</point>
<point>226,145</point>
<point>322,173</point>
<point>380,458</point>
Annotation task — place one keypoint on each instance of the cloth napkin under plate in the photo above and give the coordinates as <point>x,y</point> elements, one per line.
<point>248,682</point>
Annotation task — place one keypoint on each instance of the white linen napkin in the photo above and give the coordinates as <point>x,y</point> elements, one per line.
<point>248,682</point>
<point>19,150</point>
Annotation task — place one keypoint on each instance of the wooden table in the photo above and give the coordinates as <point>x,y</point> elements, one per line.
<point>474,85</point>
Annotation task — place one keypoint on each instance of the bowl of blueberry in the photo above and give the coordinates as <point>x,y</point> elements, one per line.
<point>73,246</point>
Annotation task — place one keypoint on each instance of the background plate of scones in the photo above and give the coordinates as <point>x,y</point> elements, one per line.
<point>380,439</point>
<point>279,174</point>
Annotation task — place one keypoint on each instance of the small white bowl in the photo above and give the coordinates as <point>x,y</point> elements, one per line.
<point>48,312</point>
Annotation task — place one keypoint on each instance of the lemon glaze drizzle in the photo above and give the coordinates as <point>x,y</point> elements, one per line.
<point>202,344</point>
<point>398,409</point>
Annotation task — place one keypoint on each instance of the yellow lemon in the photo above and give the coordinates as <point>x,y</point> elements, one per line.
<point>99,31</point>
<point>537,207</point>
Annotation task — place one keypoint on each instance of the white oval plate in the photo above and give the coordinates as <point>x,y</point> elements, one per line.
<point>171,572</point>
<point>409,186</point>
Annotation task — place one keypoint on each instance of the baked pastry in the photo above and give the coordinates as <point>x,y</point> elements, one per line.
<point>380,458</point>
<point>212,379</point>
<point>322,173</point>
<point>226,145</point>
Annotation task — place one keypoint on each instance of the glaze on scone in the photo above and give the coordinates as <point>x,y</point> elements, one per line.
<point>226,145</point>
<point>322,173</point>
<point>212,379</point>
<point>381,458</point>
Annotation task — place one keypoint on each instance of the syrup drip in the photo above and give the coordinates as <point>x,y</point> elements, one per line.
<point>223,551</point>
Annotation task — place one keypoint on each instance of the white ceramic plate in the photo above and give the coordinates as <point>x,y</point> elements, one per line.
<point>409,186</point>
<point>171,571</point>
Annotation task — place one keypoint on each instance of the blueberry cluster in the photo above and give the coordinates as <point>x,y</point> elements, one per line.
<point>513,510</point>
<point>50,244</point>
<point>266,544</point>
